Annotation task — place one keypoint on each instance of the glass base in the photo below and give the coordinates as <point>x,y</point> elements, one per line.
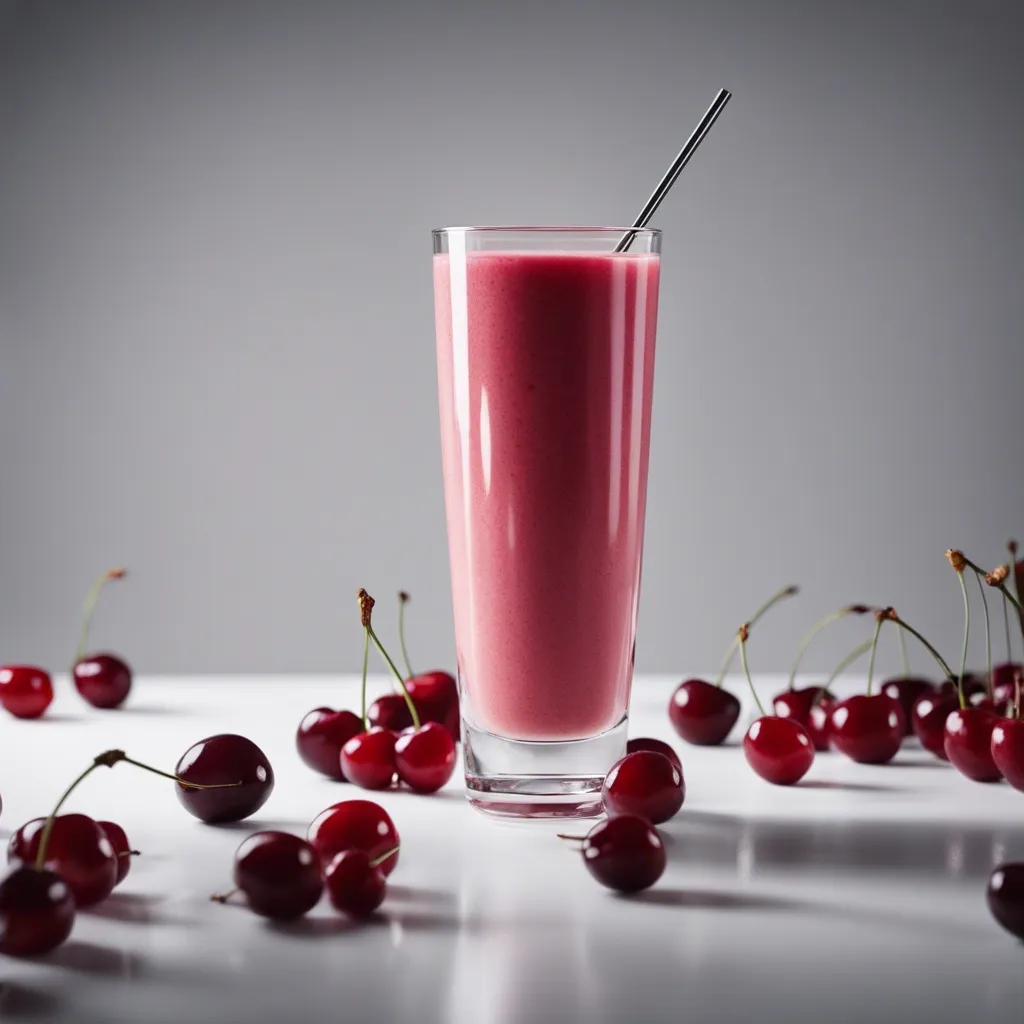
<point>539,778</point>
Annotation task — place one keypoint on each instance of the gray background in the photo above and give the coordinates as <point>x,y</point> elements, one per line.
<point>216,340</point>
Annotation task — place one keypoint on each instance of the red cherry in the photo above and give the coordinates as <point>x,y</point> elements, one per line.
<point>624,853</point>
<point>868,729</point>
<point>907,691</point>
<point>436,696</point>
<point>658,746</point>
<point>1005,896</point>
<point>819,724</point>
<point>644,784</point>
<point>972,684</point>
<point>122,848</point>
<point>1002,680</point>
<point>796,704</point>
<point>389,712</point>
<point>425,757</point>
<point>279,874</point>
<point>778,749</point>
<point>368,759</point>
<point>969,743</point>
<point>320,737</point>
<point>929,722</point>
<point>217,761</point>
<point>1008,750</point>
<point>703,714</point>
<point>78,850</point>
<point>37,911</point>
<point>354,885</point>
<point>104,680</point>
<point>25,691</point>
<point>355,825</point>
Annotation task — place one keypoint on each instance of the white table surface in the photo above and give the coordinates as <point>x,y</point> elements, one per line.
<point>856,896</point>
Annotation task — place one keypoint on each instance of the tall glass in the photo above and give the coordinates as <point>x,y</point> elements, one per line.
<point>545,366</point>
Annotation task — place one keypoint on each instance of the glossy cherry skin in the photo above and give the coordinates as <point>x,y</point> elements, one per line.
<point>1002,677</point>
<point>368,759</point>
<point>778,749</point>
<point>221,759</point>
<point>279,874</point>
<point>320,737</point>
<point>658,746</point>
<point>104,680</point>
<point>354,885</point>
<point>929,721</point>
<point>389,712</point>
<point>1008,750</point>
<point>868,729</point>
<point>819,724</point>
<point>425,757</point>
<point>969,743</point>
<point>796,704</point>
<point>122,848</point>
<point>1005,897</point>
<point>78,850</point>
<point>624,853</point>
<point>907,691</point>
<point>37,911</point>
<point>644,784</point>
<point>355,825</point>
<point>436,696</point>
<point>25,690</point>
<point>703,714</point>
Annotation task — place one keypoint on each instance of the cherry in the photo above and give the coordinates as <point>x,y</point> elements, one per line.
<point>390,712</point>
<point>279,874</point>
<point>356,884</point>
<point>1008,750</point>
<point>819,724</point>
<point>25,690</point>
<point>929,721</point>
<point>320,737</point>
<point>907,691</point>
<point>968,743</point>
<point>37,911</point>
<point>644,784</point>
<point>425,757</point>
<point>796,704</point>
<point>223,761</point>
<point>1005,896</point>
<point>355,825</point>
<point>778,749</point>
<point>368,759</point>
<point>436,696</point>
<point>868,729</point>
<point>658,746</point>
<point>122,848</point>
<point>104,680</point>
<point>624,853</point>
<point>1002,678</point>
<point>703,714</point>
<point>78,850</point>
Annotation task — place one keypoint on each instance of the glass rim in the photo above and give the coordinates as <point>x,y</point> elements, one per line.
<point>547,228</point>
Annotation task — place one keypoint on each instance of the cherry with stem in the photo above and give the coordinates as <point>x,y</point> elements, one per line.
<point>104,680</point>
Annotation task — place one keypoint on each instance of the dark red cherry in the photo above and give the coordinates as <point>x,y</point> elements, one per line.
<point>796,704</point>
<point>436,696</point>
<point>644,784</point>
<point>867,729</point>
<point>279,874</point>
<point>969,743</point>
<point>368,759</point>
<point>104,680</point>
<point>819,724</point>
<point>1008,750</point>
<point>425,757</point>
<point>37,911</point>
<point>703,714</point>
<point>658,746</point>
<point>1002,679</point>
<point>122,848</point>
<point>929,722</point>
<point>907,691</point>
<point>624,853</point>
<point>1005,897</point>
<point>25,691</point>
<point>972,684</point>
<point>217,761</point>
<point>320,737</point>
<point>778,749</point>
<point>354,885</point>
<point>78,850</point>
<point>389,712</point>
<point>355,825</point>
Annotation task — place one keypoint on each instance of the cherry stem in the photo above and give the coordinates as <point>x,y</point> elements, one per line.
<point>939,660</point>
<point>988,639</point>
<point>377,861</point>
<point>741,638</point>
<point>731,650</point>
<point>874,650</point>
<point>904,660</point>
<point>1009,597</point>
<point>223,897</point>
<point>572,839</point>
<point>366,662</point>
<point>1006,627</point>
<point>398,675</point>
<point>852,609</point>
<point>1011,547</point>
<point>90,606</point>
<point>967,634</point>
<point>403,599</point>
<point>130,853</point>
<point>856,653</point>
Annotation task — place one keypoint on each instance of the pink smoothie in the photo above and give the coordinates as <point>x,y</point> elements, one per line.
<point>545,369</point>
